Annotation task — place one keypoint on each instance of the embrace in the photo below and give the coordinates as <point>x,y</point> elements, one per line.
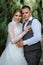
<point>23,44</point>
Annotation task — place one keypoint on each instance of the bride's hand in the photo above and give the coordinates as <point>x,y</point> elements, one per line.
<point>27,28</point>
<point>19,43</point>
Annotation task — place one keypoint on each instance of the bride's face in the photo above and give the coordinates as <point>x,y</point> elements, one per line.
<point>17,17</point>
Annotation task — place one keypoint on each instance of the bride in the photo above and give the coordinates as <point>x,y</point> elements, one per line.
<point>14,55</point>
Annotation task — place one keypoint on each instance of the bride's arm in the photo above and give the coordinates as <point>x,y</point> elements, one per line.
<point>11,34</point>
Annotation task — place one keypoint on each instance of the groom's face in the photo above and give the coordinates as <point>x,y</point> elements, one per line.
<point>26,13</point>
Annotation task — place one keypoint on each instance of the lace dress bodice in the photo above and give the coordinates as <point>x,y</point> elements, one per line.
<point>15,31</point>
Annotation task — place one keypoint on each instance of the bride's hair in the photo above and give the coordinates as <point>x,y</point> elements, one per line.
<point>17,10</point>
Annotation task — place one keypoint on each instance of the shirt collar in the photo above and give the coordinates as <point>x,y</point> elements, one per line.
<point>30,18</point>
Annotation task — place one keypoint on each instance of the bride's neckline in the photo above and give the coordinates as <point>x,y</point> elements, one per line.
<point>15,22</point>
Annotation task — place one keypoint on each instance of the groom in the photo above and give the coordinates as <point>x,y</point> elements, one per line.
<point>31,41</point>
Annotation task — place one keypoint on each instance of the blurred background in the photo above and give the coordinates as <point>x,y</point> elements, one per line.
<point>7,8</point>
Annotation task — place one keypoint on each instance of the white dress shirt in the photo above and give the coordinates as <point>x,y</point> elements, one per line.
<point>36,27</point>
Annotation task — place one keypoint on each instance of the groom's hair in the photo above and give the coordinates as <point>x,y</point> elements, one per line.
<point>26,6</point>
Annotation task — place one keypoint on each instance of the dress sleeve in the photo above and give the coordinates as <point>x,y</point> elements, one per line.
<point>11,34</point>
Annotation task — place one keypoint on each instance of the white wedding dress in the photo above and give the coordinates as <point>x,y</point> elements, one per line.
<point>13,55</point>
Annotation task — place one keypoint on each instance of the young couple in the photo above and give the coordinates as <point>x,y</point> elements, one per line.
<point>23,45</point>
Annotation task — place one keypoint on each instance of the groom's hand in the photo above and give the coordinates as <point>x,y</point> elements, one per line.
<point>19,43</point>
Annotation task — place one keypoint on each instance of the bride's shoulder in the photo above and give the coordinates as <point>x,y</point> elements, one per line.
<point>10,24</point>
